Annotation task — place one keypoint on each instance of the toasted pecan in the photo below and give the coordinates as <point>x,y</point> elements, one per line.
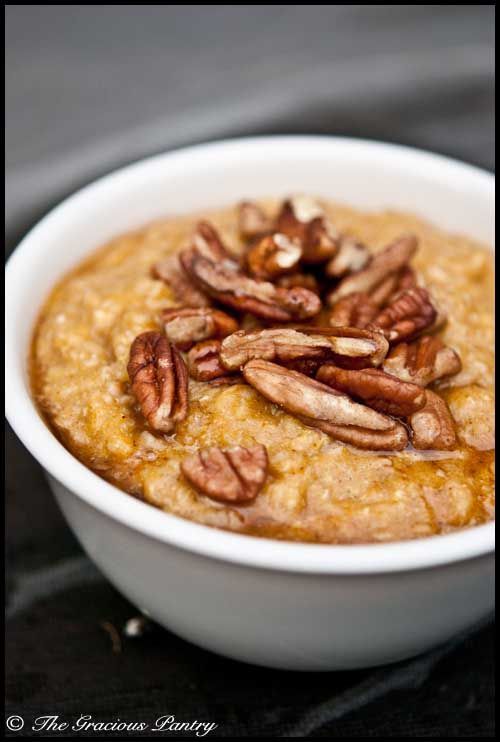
<point>185,326</point>
<point>391,260</point>
<point>376,388</point>
<point>206,240</point>
<point>395,439</point>
<point>204,362</point>
<point>307,397</point>
<point>433,426</point>
<point>351,257</point>
<point>354,310</point>
<point>170,271</point>
<point>233,476</point>
<point>318,405</point>
<point>353,347</point>
<point>285,344</point>
<point>304,280</point>
<point>388,289</point>
<point>273,255</point>
<point>224,280</point>
<point>159,380</point>
<point>303,219</point>
<point>252,221</point>
<point>411,312</point>
<point>422,362</point>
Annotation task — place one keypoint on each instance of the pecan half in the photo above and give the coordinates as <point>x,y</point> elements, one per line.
<point>433,426</point>
<point>185,326</point>
<point>354,310</point>
<point>360,308</point>
<point>305,280</point>
<point>392,286</point>
<point>377,389</point>
<point>204,361</point>
<point>407,315</point>
<point>252,221</point>
<point>352,256</point>
<point>171,272</point>
<point>423,361</point>
<point>234,475</point>
<point>227,283</point>
<point>395,439</point>
<point>295,216</point>
<point>407,279</point>
<point>303,219</point>
<point>159,380</point>
<point>273,255</point>
<point>287,344</point>
<point>307,397</point>
<point>392,259</point>
<point>207,242</point>
<point>317,405</point>
<point>353,347</point>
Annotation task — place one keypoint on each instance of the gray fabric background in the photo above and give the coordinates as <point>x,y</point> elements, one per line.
<point>89,88</point>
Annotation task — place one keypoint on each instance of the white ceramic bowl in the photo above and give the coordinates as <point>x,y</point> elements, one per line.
<point>286,605</point>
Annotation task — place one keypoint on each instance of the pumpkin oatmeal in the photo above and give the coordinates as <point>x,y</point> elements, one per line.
<point>302,371</point>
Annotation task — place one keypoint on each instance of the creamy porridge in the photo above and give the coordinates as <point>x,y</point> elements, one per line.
<point>379,432</point>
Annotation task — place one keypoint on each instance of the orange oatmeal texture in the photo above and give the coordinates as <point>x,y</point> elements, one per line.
<point>317,489</point>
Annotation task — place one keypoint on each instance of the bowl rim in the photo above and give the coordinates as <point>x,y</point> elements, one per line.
<point>232,547</point>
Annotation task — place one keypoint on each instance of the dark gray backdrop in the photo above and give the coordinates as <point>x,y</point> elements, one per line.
<point>91,87</point>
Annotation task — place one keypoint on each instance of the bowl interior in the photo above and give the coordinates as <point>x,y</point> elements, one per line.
<point>363,174</point>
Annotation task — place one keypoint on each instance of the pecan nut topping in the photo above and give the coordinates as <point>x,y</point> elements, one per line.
<point>354,310</point>
<point>351,257</point>
<point>307,397</point>
<point>393,259</point>
<point>207,242</point>
<point>326,376</point>
<point>407,279</point>
<point>273,255</point>
<point>425,360</point>
<point>392,286</point>
<point>252,221</point>
<point>408,315</point>
<point>285,344</point>
<point>224,280</point>
<point>234,475</point>
<point>321,242</point>
<point>301,218</point>
<point>304,280</point>
<point>185,326</point>
<point>317,405</point>
<point>360,308</point>
<point>159,380</point>
<point>204,361</point>
<point>353,347</point>
<point>395,439</point>
<point>433,426</point>
<point>377,389</point>
<point>170,271</point>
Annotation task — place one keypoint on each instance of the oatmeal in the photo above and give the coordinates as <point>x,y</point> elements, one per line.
<point>302,371</point>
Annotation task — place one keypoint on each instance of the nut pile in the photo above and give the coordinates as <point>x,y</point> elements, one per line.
<point>341,338</point>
